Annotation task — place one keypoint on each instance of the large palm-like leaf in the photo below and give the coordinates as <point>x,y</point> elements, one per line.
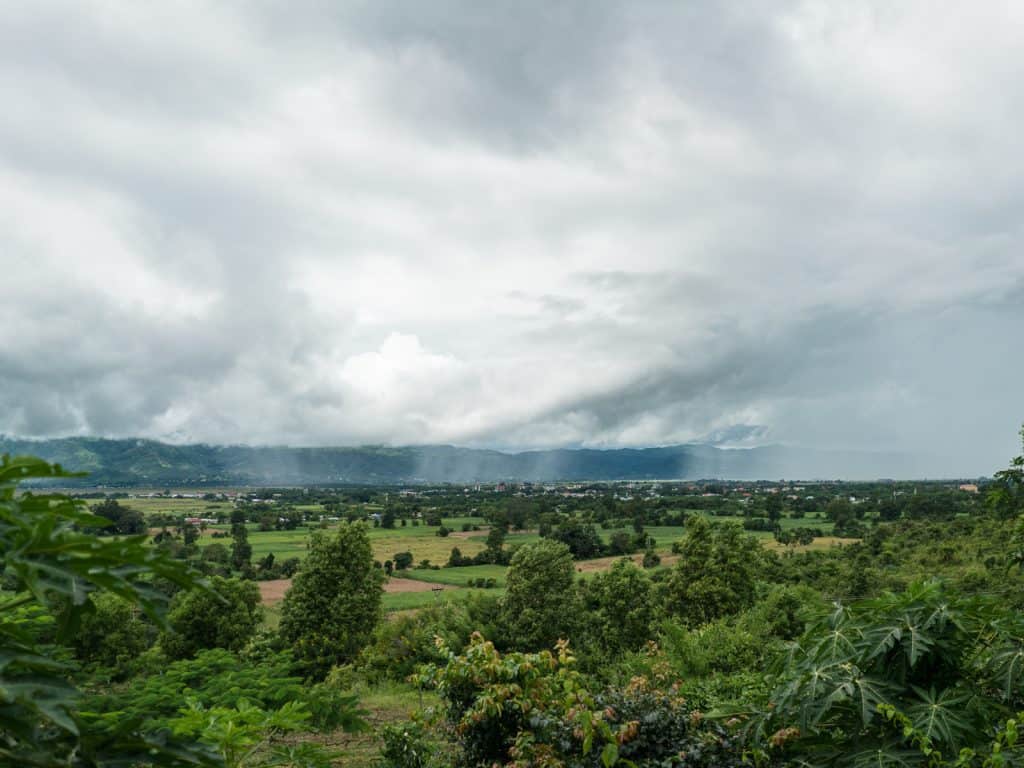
<point>915,652</point>
<point>1006,666</point>
<point>941,716</point>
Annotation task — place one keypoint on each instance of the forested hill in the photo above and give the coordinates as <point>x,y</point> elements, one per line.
<point>144,462</point>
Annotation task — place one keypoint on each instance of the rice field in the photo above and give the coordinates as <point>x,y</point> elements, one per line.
<point>410,590</point>
<point>460,577</point>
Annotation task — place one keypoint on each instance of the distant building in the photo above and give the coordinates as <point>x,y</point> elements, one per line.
<point>969,487</point>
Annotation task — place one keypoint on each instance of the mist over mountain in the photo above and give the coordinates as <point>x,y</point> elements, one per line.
<point>149,462</point>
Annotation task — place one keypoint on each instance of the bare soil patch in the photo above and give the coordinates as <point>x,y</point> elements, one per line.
<point>412,585</point>
<point>273,591</point>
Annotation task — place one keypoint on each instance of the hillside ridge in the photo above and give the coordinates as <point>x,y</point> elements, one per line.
<point>139,461</point>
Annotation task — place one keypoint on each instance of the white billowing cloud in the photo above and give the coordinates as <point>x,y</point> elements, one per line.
<point>590,224</point>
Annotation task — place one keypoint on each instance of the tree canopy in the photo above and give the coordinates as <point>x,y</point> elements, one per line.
<point>334,603</point>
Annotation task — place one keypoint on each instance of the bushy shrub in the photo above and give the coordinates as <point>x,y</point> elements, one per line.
<point>536,710</point>
<point>114,635</point>
<point>456,559</point>
<point>716,574</point>
<point>662,730</point>
<point>226,617</point>
<point>582,539</point>
<point>539,606</point>
<point>619,609</point>
<point>403,560</point>
<point>517,706</point>
<point>621,543</point>
<point>407,746</point>
<point>222,679</point>
<point>214,678</point>
<point>401,645</point>
<point>651,559</point>
<point>334,603</point>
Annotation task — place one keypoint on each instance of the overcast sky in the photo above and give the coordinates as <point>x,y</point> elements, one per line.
<point>516,225</point>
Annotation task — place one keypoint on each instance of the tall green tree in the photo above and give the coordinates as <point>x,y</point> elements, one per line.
<point>334,604</point>
<point>124,521</point>
<point>773,508</point>
<point>190,534</point>
<point>538,608</point>
<point>1006,495</point>
<point>582,539</point>
<point>495,541</point>
<point>241,549</point>
<point>620,609</point>
<point>716,573</point>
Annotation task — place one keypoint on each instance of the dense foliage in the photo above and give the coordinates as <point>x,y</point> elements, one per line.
<point>224,617</point>
<point>536,710</point>
<point>952,665</point>
<point>724,626</point>
<point>335,601</point>
<point>716,573</point>
<point>54,570</point>
<point>537,608</point>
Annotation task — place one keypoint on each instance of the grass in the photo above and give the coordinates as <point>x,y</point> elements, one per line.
<point>272,616</point>
<point>386,703</point>
<point>396,601</point>
<point>459,576</point>
<point>826,542</point>
<point>418,531</point>
<point>404,601</point>
<point>424,544</point>
<point>421,540</point>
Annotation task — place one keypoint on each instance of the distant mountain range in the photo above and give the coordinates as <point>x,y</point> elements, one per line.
<point>150,463</point>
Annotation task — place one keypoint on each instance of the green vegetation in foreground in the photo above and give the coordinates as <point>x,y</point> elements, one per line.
<point>388,704</point>
<point>750,647</point>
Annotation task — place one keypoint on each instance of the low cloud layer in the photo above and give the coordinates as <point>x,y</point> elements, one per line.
<point>586,223</point>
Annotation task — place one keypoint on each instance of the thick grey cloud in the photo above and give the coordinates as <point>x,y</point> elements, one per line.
<point>516,226</point>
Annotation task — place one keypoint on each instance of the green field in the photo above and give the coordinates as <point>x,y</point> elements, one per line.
<point>168,506</point>
<point>424,543</point>
<point>459,576</point>
<point>404,601</point>
<point>421,540</point>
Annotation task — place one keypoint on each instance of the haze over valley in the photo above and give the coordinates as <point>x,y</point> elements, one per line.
<point>601,226</point>
<point>461,384</point>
